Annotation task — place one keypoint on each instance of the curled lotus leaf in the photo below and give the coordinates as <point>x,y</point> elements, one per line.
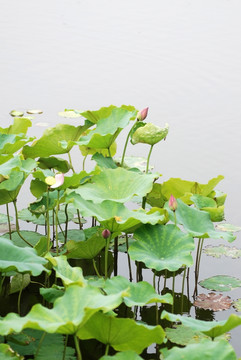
<point>213,301</point>
<point>149,134</point>
<point>221,283</point>
<point>218,251</point>
<point>105,112</point>
<point>7,353</point>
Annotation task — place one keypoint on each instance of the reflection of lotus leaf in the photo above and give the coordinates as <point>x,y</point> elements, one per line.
<point>212,301</point>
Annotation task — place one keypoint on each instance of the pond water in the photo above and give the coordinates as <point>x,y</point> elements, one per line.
<point>179,57</point>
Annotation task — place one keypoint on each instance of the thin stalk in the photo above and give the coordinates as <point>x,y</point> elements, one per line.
<point>76,341</point>
<point>39,344</point>
<point>154,280</point>
<point>36,228</point>
<point>65,346</point>
<point>126,143</point>
<point>199,258</point>
<point>196,267</point>
<point>56,224</point>
<point>158,285</point>
<point>129,260</point>
<point>173,289</point>
<point>9,223</point>
<point>95,267</point>
<point>106,256</point>
<point>147,168</point>
<point>70,162</point>
<point>83,166</point>
<point>107,349</point>
<point>116,256</point>
<point>66,223</point>
<point>19,296</point>
<point>17,223</point>
<point>47,220</point>
<point>53,227</point>
<point>79,218</point>
<point>175,218</point>
<point>183,282</point>
<point>165,279</point>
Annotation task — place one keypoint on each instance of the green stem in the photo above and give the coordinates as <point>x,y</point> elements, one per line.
<point>70,162</point>
<point>84,162</point>
<point>65,346</point>
<point>107,349</point>
<point>17,223</point>
<point>154,280</point>
<point>173,289</point>
<point>76,341</point>
<point>39,344</point>
<point>129,260</point>
<point>175,218</point>
<point>47,220</point>
<point>56,224</point>
<point>66,223</point>
<point>126,143</point>
<point>95,267</point>
<point>116,256</point>
<point>147,169</point>
<point>9,223</point>
<point>183,283</point>
<point>106,256</point>
<point>19,297</point>
<point>80,225</point>
<point>165,280</point>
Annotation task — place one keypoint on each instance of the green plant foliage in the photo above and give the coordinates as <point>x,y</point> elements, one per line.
<point>7,353</point>
<point>197,223</point>
<point>149,134</point>
<point>218,251</point>
<point>56,140</point>
<point>134,162</point>
<point>51,294</point>
<point>72,234</point>
<point>23,260</point>
<point>205,350</point>
<point>20,126</point>
<point>31,236</point>
<point>228,227</point>
<point>28,216</point>
<point>209,205</point>
<point>184,335</point>
<point>221,283</point>
<point>86,249</point>
<point>237,305</point>
<point>117,185</point>
<point>125,355</point>
<point>210,328</point>
<point>52,162</point>
<point>104,162</point>
<point>18,282</point>
<point>4,218</point>
<point>85,150</point>
<point>10,187</point>
<point>121,334</point>
<point>10,143</point>
<point>162,247</point>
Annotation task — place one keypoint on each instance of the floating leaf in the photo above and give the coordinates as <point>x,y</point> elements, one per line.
<point>162,247</point>
<point>34,112</point>
<point>125,355</point>
<point>221,283</point>
<point>71,114</point>
<point>7,353</point>
<point>237,305</point>
<point>116,185</point>
<point>207,350</point>
<point>228,227</point>
<point>184,335</point>
<point>16,113</point>
<point>121,334</point>
<point>212,301</point>
<point>218,251</point>
<point>149,134</point>
<point>24,260</point>
<point>31,236</point>
<point>210,328</point>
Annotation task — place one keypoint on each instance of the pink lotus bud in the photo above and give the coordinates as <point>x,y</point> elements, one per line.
<point>106,233</point>
<point>172,203</point>
<point>59,180</point>
<point>142,114</point>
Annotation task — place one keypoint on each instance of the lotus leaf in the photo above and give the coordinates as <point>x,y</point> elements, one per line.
<point>237,305</point>
<point>31,236</point>
<point>19,282</point>
<point>104,162</point>
<point>95,115</point>
<point>149,134</point>
<point>183,335</point>
<point>69,314</point>
<point>162,247</point>
<point>28,216</point>
<point>212,301</point>
<point>19,126</point>
<point>88,249</point>
<point>218,251</point>
<point>6,353</point>
<point>117,185</point>
<point>4,218</point>
<point>72,114</point>
<point>210,328</point>
<point>197,223</point>
<point>134,162</point>
<point>228,227</point>
<point>53,162</point>
<point>209,350</point>
<point>23,260</point>
<point>221,283</point>
<point>10,143</point>
<point>51,294</point>
<point>10,187</point>
<point>125,355</point>
<point>121,334</point>
<point>85,150</point>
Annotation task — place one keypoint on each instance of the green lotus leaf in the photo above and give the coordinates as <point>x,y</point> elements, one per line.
<point>134,162</point>
<point>4,218</point>
<point>155,197</point>
<point>48,200</point>
<point>10,188</point>
<point>23,260</point>
<point>178,188</point>
<point>221,283</point>
<point>53,162</point>
<point>51,294</point>
<point>69,314</point>
<point>88,249</point>
<point>218,251</point>
<point>197,223</point>
<point>31,236</point>
<point>85,150</point>
<point>162,247</point>
<point>16,163</point>
<point>121,334</point>
<point>10,143</point>
<point>71,114</point>
<point>237,305</point>
<point>149,134</point>
<point>184,335</point>
<point>6,353</point>
<point>95,115</point>
<point>16,113</point>
<point>116,185</point>
<point>140,294</point>
<point>108,128</point>
<point>19,282</point>
<point>38,187</point>
<point>68,274</point>
<point>208,204</point>
<point>210,328</point>
<point>209,350</point>
<point>228,227</point>
<point>125,355</point>
<point>219,197</point>
<point>28,216</point>
<point>104,162</point>
<point>49,143</point>
<point>112,215</point>
<point>76,235</point>
<point>20,126</point>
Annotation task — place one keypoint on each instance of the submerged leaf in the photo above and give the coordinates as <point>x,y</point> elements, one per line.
<point>221,283</point>
<point>212,301</point>
<point>218,251</point>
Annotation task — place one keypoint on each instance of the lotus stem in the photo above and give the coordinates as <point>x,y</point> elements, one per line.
<point>107,349</point>
<point>106,256</point>
<point>17,223</point>
<point>125,147</point>
<point>65,346</point>
<point>76,341</point>
<point>129,260</point>
<point>173,289</point>
<point>83,165</point>
<point>66,223</point>
<point>116,256</point>
<point>80,225</point>
<point>183,283</point>
<point>70,162</point>
<point>9,223</point>
<point>95,267</point>
<point>147,169</point>
<point>47,220</point>
<point>56,224</point>
<point>19,296</point>
<point>39,344</point>
<point>165,278</point>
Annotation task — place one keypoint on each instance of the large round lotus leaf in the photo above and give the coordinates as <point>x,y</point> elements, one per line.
<point>49,143</point>
<point>197,223</point>
<point>210,328</point>
<point>85,150</point>
<point>7,353</point>
<point>213,301</point>
<point>149,134</point>
<point>69,314</point>
<point>10,143</point>
<point>52,162</point>
<point>221,283</point>
<point>183,335</point>
<point>26,215</point>
<point>162,247</point>
<point>88,249</point>
<point>31,236</point>
<point>134,162</point>
<point>218,251</point>
<point>116,185</point>
<point>121,334</point>
<point>112,215</point>
<point>108,128</point>
<point>125,355</point>
<point>23,260</point>
<point>209,350</point>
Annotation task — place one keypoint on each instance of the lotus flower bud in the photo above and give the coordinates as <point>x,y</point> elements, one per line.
<point>142,114</point>
<point>106,233</point>
<point>172,203</point>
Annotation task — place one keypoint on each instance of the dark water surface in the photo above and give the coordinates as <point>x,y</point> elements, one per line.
<point>179,57</point>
